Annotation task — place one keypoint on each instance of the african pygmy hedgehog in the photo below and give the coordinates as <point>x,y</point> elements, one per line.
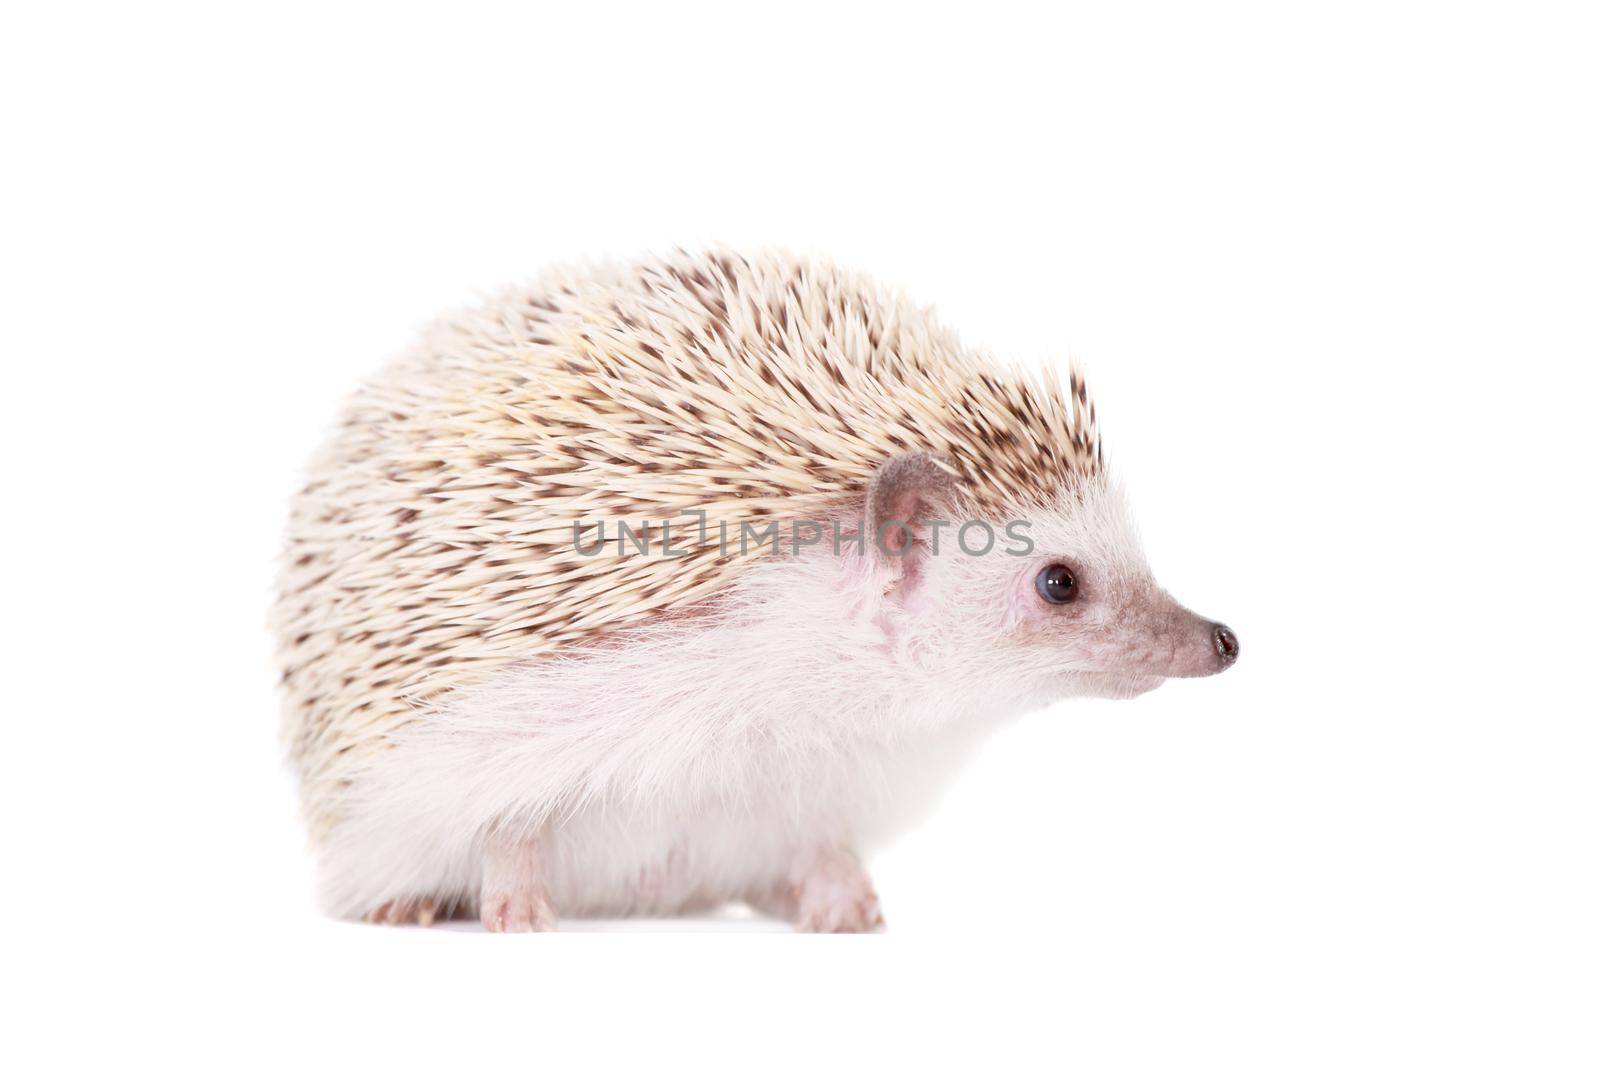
<point>670,584</point>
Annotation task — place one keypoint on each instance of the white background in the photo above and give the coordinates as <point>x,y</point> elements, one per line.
<point>1333,269</point>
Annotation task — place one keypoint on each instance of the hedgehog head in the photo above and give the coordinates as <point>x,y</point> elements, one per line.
<point>1054,598</point>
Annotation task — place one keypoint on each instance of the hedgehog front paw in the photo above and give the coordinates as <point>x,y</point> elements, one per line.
<point>836,896</point>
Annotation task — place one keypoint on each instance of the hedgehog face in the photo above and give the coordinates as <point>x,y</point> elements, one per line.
<point>1066,607</point>
<point>1085,609</point>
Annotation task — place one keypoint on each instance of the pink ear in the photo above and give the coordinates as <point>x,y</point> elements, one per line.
<point>904,492</point>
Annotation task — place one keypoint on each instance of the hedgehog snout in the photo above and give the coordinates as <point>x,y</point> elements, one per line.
<point>1224,649</point>
<point>1226,644</point>
<point>1192,645</point>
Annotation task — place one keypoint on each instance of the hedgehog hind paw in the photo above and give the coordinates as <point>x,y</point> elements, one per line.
<point>422,911</point>
<point>517,912</point>
<point>513,897</point>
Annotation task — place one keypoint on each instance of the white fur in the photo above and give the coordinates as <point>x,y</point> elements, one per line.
<point>817,704</point>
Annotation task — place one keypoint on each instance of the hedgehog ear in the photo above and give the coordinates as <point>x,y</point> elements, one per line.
<point>903,495</point>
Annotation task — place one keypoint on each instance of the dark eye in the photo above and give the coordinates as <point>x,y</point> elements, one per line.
<point>1056,584</point>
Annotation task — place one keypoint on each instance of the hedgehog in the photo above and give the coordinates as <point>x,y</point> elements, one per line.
<point>659,586</point>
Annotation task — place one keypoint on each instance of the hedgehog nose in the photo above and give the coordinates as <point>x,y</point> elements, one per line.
<point>1227,645</point>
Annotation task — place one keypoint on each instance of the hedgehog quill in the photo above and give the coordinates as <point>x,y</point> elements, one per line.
<point>490,715</point>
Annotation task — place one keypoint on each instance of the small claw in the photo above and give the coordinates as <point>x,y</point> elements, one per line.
<point>515,915</point>
<point>404,912</point>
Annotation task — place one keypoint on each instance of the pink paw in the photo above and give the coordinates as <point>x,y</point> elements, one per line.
<point>516,912</point>
<point>512,897</point>
<point>836,896</point>
<point>844,916</point>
